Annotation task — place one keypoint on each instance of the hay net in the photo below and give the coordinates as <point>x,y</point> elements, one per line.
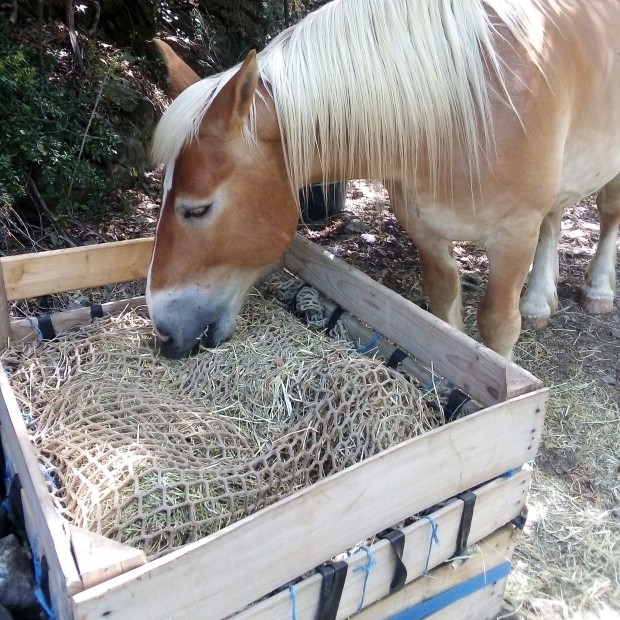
<point>157,453</point>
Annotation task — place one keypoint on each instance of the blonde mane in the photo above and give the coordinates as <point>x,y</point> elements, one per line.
<point>380,78</point>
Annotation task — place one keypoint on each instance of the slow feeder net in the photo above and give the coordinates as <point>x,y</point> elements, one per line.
<point>158,453</point>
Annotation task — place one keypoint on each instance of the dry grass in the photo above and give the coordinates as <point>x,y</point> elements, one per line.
<point>567,565</point>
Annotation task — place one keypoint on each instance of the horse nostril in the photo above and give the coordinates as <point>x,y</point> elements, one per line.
<point>163,336</point>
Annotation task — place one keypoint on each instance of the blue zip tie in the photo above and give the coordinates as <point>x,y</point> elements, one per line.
<point>35,326</point>
<point>364,348</point>
<point>48,474</point>
<point>445,599</point>
<point>293,593</point>
<point>434,539</point>
<point>371,562</point>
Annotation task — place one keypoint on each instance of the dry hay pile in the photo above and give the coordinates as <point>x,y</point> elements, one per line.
<point>158,453</point>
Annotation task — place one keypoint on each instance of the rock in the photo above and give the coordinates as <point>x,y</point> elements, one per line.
<point>610,380</point>
<point>355,227</point>
<point>5,614</point>
<point>615,332</point>
<point>16,578</point>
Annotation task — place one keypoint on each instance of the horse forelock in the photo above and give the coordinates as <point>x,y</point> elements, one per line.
<point>380,78</point>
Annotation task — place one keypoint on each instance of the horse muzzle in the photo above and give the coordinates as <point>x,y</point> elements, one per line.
<point>182,324</point>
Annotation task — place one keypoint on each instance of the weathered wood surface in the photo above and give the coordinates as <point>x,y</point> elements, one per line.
<point>497,503</point>
<point>24,330</point>
<point>224,572</point>
<point>55,271</point>
<point>47,531</point>
<point>484,604</point>
<point>480,372</point>
<point>99,559</point>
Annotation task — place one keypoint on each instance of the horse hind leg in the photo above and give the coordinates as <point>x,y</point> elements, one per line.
<point>597,293</point>
<point>440,272</point>
<point>540,299</point>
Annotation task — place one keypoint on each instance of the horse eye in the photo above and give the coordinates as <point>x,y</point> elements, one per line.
<point>197,211</point>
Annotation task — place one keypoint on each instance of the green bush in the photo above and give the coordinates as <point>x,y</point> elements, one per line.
<point>49,133</point>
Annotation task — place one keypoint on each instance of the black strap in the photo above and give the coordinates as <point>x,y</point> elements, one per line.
<point>520,521</point>
<point>396,358</point>
<point>396,538</point>
<point>46,327</point>
<point>333,319</point>
<point>455,403</point>
<point>96,311</point>
<point>469,500</point>
<point>334,575</point>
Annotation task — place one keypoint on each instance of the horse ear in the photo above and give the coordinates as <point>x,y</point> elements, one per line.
<point>180,75</point>
<point>232,105</point>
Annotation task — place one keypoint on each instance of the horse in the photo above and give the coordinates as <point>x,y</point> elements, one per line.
<point>483,118</point>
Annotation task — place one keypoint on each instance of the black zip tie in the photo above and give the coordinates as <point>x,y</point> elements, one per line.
<point>96,311</point>
<point>520,521</point>
<point>469,500</point>
<point>456,401</point>
<point>334,575</point>
<point>334,318</point>
<point>396,358</point>
<point>46,327</point>
<point>396,538</point>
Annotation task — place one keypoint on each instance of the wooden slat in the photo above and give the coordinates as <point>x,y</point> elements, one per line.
<point>24,330</point>
<point>224,572</point>
<point>43,523</point>
<point>5,322</point>
<point>480,372</point>
<point>99,559</point>
<point>497,502</point>
<point>44,273</point>
<point>482,605</point>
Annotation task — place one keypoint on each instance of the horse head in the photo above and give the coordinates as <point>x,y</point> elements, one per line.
<point>227,211</point>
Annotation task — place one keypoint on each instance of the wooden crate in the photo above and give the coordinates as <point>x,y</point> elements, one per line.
<point>230,573</point>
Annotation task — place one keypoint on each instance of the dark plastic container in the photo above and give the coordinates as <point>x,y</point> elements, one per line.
<point>320,202</point>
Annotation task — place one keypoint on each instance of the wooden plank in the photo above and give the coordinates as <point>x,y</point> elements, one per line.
<point>99,559</point>
<point>5,322</point>
<point>498,501</point>
<point>481,373</point>
<point>24,330</point>
<point>55,271</point>
<point>492,552</point>
<point>43,523</point>
<point>224,572</point>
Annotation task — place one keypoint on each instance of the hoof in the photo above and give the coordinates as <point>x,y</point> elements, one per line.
<point>597,305</point>
<point>534,322</point>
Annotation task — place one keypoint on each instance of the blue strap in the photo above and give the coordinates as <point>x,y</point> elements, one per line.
<point>445,599</point>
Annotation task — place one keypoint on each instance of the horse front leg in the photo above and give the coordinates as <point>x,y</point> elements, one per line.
<point>597,294</point>
<point>499,318</point>
<point>540,298</point>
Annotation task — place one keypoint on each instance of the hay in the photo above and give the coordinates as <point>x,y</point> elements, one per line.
<point>158,453</point>
<point>567,565</point>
